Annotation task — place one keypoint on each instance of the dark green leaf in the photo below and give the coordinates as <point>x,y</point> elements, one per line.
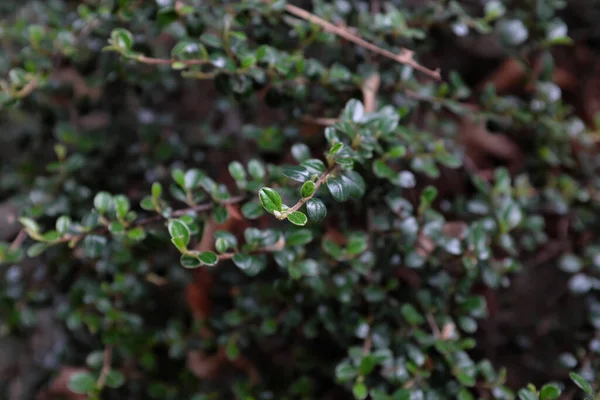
<point>252,210</point>
<point>94,245</point>
<point>549,392</point>
<point>256,169</point>
<point>190,261</point>
<point>242,261</point>
<point>62,224</point>
<point>354,184</point>
<point>116,228</point>
<point>299,238</point>
<point>208,258</point>
<point>314,166</point>
<point>137,233</point>
<point>316,210</point>
<point>337,188</point>
<point>192,178</point>
<point>299,174</point>
<point>582,383</point>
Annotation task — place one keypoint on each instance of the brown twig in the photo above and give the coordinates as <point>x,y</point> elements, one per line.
<point>405,57</point>
<point>18,240</point>
<point>105,367</point>
<point>165,61</point>
<point>27,89</point>
<point>318,183</point>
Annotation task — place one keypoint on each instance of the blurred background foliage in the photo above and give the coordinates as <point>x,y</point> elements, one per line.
<point>442,232</point>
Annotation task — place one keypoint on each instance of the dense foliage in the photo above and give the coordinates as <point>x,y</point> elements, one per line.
<point>261,200</point>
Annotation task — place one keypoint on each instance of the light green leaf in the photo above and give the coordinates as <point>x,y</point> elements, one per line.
<point>102,202</point>
<point>270,199</point>
<point>297,218</point>
<point>308,188</point>
<point>178,228</point>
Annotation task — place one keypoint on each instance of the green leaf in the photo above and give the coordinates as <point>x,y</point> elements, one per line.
<point>382,170</point>
<point>526,394</point>
<point>582,383</point>
<point>316,210</point>
<point>345,372</point>
<point>299,238</point>
<point>114,379</point>
<point>300,152</point>
<point>62,224</point>
<point>549,392</point>
<point>136,234</point>
<point>221,245</point>
<point>192,179</point>
<point>121,205</point>
<point>299,174</point>
<point>208,258</point>
<point>357,244</point>
<point>354,183</point>
<point>428,195</point>
<point>397,152</point>
<point>121,38</point>
<point>81,382</point>
<point>102,202</point>
<point>308,188</point>
<point>270,200</point>
<point>147,204</point>
<point>29,224</point>
<point>252,209</point>
<point>367,364</point>
<point>336,148</point>
<point>178,229</point>
<point>337,188</point>
<point>178,176</point>
<point>190,261</point>
<point>94,245</point>
<point>353,111</point>
<point>360,391</point>
<point>116,228</point>
<point>314,166</point>
<point>410,313</point>
<point>297,218</point>
<point>256,169</point>
<point>242,261</point>
<point>36,249</point>
<point>236,170</point>
<point>156,191</point>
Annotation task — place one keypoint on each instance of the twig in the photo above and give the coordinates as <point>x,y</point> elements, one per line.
<point>105,367</point>
<point>153,219</point>
<point>18,240</point>
<point>164,61</point>
<point>434,326</point>
<point>318,183</point>
<point>405,57</point>
<point>27,89</point>
<point>278,246</point>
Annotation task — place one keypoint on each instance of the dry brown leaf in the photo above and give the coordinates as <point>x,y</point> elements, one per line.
<point>480,145</point>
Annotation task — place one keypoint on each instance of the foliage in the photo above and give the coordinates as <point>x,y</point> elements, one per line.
<point>324,265</point>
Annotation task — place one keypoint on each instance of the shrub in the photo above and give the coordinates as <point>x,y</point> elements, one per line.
<point>352,219</point>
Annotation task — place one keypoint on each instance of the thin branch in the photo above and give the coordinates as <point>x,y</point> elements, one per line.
<point>27,89</point>
<point>168,61</point>
<point>105,367</point>
<point>318,183</point>
<point>155,218</point>
<point>405,57</point>
<point>18,240</point>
